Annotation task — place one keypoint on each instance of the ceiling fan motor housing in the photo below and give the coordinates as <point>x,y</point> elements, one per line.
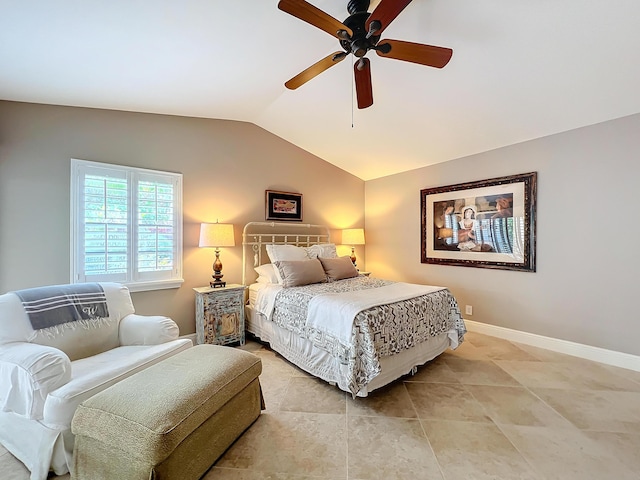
<point>358,44</point>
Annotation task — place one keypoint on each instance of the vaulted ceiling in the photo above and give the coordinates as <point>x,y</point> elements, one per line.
<point>520,70</point>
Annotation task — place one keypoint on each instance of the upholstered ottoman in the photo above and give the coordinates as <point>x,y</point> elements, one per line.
<point>172,420</point>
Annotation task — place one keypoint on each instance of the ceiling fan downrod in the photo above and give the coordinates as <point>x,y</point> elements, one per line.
<point>355,6</point>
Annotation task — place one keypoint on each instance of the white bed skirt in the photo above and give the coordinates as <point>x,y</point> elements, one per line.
<point>321,364</point>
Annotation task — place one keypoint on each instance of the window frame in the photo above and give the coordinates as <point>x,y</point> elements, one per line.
<point>134,279</point>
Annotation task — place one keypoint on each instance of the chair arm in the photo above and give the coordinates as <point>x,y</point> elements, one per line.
<point>28,373</point>
<point>147,330</point>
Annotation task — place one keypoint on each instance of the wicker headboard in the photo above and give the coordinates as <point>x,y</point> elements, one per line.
<point>256,235</point>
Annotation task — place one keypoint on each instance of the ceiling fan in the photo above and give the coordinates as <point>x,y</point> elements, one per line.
<point>358,34</point>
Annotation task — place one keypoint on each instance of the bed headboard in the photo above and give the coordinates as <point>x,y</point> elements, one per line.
<point>256,235</point>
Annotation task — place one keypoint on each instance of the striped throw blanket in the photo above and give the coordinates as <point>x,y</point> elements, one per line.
<point>58,305</point>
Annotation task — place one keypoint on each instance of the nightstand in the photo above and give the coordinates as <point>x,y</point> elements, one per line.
<point>220,314</point>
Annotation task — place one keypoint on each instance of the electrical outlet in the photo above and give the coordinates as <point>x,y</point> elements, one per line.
<point>468,310</point>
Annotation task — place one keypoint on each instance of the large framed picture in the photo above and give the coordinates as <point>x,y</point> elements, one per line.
<point>487,224</point>
<point>283,206</point>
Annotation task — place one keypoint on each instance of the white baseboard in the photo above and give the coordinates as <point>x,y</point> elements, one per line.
<point>597,354</point>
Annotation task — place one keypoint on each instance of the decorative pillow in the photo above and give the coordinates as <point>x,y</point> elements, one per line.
<point>285,253</point>
<point>296,273</point>
<point>266,273</point>
<point>324,250</point>
<point>338,268</point>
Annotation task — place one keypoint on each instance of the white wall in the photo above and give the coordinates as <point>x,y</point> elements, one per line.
<point>586,287</point>
<point>227,167</point>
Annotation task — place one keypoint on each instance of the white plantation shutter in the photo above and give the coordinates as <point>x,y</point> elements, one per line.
<point>126,225</point>
<point>104,206</point>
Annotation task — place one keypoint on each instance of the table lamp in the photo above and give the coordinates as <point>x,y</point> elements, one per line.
<point>351,237</point>
<point>217,235</point>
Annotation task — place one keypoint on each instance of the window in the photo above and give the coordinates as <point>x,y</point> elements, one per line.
<point>126,226</point>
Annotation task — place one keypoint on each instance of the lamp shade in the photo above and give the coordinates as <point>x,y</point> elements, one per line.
<point>216,235</point>
<point>353,236</point>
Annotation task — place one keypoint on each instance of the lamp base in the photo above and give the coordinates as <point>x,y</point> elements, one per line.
<point>217,282</point>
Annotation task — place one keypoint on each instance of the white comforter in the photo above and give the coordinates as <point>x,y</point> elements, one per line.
<point>334,313</point>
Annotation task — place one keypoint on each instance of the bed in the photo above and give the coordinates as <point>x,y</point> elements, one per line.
<point>355,331</point>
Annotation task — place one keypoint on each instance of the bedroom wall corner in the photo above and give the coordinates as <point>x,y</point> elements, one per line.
<point>585,285</point>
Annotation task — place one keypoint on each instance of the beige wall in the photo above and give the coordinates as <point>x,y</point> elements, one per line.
<point>585,289</point>
<point>227,166</point>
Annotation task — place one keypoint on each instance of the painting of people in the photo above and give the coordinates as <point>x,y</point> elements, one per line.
<point>488,223</point>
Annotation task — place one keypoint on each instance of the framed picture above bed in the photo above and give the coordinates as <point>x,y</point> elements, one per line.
<point>283,206</point>
<point>487,223</point>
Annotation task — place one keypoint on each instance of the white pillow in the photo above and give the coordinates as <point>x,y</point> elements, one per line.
<point>266,273</point>
<point>324,250</point>
<point>288,253</point>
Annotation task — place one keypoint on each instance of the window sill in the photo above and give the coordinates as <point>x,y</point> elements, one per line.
<point>155,285</point>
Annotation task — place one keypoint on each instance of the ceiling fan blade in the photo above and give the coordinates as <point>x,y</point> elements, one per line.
<point>364,90</point>
<point>315,70</point>
<point>428,55</point>
<point>385,13</point>
<point>314,16</point>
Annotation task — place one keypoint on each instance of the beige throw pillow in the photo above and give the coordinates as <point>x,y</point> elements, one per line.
<point>296,273</point>
<point>338,268</point>
<point>285,253</point>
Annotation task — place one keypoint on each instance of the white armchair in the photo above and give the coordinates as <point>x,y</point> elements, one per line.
<point>59,345</point>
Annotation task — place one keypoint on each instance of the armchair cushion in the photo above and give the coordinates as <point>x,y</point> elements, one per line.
<point>93,374</point>
<point>29,372</point>
<point>147,330</point>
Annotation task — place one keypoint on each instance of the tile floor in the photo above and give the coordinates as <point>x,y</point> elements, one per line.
<point>492,409</point>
